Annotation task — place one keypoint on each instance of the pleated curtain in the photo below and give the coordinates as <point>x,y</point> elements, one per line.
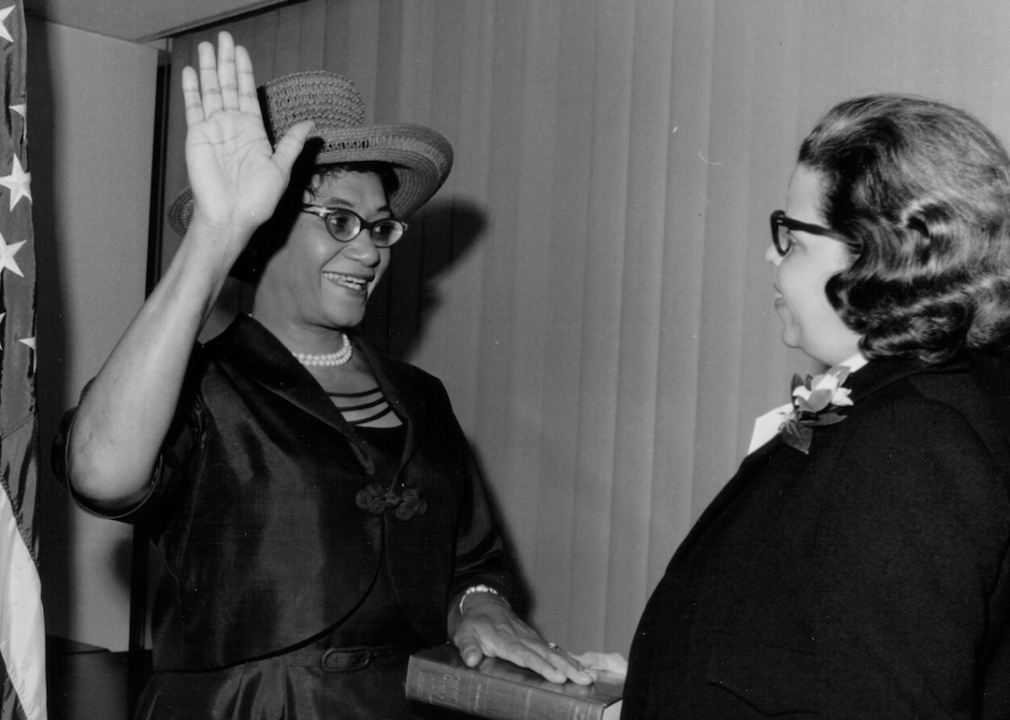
<point>590,283</point>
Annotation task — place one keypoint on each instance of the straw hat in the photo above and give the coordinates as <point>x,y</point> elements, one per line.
<point>420,157</point>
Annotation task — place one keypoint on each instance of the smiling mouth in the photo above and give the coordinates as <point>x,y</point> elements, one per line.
<point>352,282</point>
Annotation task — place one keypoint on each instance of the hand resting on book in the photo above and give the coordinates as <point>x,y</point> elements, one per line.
<point>487,627</point>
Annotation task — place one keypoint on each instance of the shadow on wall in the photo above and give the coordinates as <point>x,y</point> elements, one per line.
<point>407,297</point>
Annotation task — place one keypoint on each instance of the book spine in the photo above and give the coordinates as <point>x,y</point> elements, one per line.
<point>491,697</point>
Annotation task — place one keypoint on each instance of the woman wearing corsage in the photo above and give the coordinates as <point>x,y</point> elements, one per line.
<point>857,564</point>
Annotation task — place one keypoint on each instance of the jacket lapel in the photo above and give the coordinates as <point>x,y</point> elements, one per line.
<point>263,357</point>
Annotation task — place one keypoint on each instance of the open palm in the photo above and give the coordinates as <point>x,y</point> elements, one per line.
<point>236,176</point>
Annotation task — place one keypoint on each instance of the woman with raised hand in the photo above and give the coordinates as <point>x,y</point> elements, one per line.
<point>317,505</point>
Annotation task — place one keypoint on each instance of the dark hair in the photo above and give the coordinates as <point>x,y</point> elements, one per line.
<point>305,177</point>
<point>921,190</point>
<point>383,170</point>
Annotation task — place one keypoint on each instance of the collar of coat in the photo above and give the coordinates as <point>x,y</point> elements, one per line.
<point>260,355</point>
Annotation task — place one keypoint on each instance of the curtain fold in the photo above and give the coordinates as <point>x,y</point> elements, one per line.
<point>590,284</point>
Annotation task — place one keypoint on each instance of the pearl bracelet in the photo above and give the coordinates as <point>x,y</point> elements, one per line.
<point>476,589</point>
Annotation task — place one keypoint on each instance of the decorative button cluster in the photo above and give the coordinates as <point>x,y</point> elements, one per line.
<point>376,500</point>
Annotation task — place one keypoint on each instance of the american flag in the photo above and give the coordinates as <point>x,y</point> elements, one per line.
<point>22,632</point>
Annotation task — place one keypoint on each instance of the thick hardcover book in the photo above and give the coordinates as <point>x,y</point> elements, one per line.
<point>499,690</point>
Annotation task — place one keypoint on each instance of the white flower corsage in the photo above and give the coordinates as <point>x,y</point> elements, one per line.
<point>816,401</point>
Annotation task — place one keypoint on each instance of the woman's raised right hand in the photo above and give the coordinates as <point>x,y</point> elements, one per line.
<point>237,179</point>
<point>236,176</point>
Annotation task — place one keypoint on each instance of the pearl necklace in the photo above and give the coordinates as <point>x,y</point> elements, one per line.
<point>334,359</point>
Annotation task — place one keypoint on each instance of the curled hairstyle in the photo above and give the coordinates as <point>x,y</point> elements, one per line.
<point>921,192</point>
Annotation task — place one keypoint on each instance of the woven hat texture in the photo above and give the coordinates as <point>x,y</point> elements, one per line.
<point>420,157</point>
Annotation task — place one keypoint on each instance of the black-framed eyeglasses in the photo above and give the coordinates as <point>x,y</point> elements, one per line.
<point>345,225</point>
<point>782,224</point>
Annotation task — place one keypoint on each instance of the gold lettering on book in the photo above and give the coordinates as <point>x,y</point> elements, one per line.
<point>445,690</point>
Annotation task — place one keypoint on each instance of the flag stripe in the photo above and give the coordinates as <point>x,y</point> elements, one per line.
<point>22,488</point>
<point>10,705</point>
<point>22,630</point>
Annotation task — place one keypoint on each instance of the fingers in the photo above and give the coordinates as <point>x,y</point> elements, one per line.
<point>606,662</point>
<point>470,650</point>
<point>210,93</point>
<point>473,651</point>
<point>540,664</point>
<point>290,146</point>
<point>248,101</point>
<point>552,663</point>
<point>569,666</point>
<point>491,629</point>
<point>225,80</point>
<point>191,97</point>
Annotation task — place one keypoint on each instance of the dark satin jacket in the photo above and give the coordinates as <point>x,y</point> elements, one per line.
<point>868,579</point>
<point>255,507</point>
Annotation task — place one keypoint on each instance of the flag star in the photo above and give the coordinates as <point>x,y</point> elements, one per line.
<point>19,183</point>
<point>30,342</point>
<point>4,32</point>
<point>7,252</point>
<point>22,110</point>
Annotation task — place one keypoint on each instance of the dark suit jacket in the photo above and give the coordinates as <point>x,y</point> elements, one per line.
<point>255,507</point>
<point>868,579</point>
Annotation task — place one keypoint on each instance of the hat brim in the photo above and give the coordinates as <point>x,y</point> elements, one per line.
<point>420,157</point>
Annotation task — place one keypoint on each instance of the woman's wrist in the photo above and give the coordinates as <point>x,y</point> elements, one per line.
<point>474,598</point>
<point>473,590</point>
